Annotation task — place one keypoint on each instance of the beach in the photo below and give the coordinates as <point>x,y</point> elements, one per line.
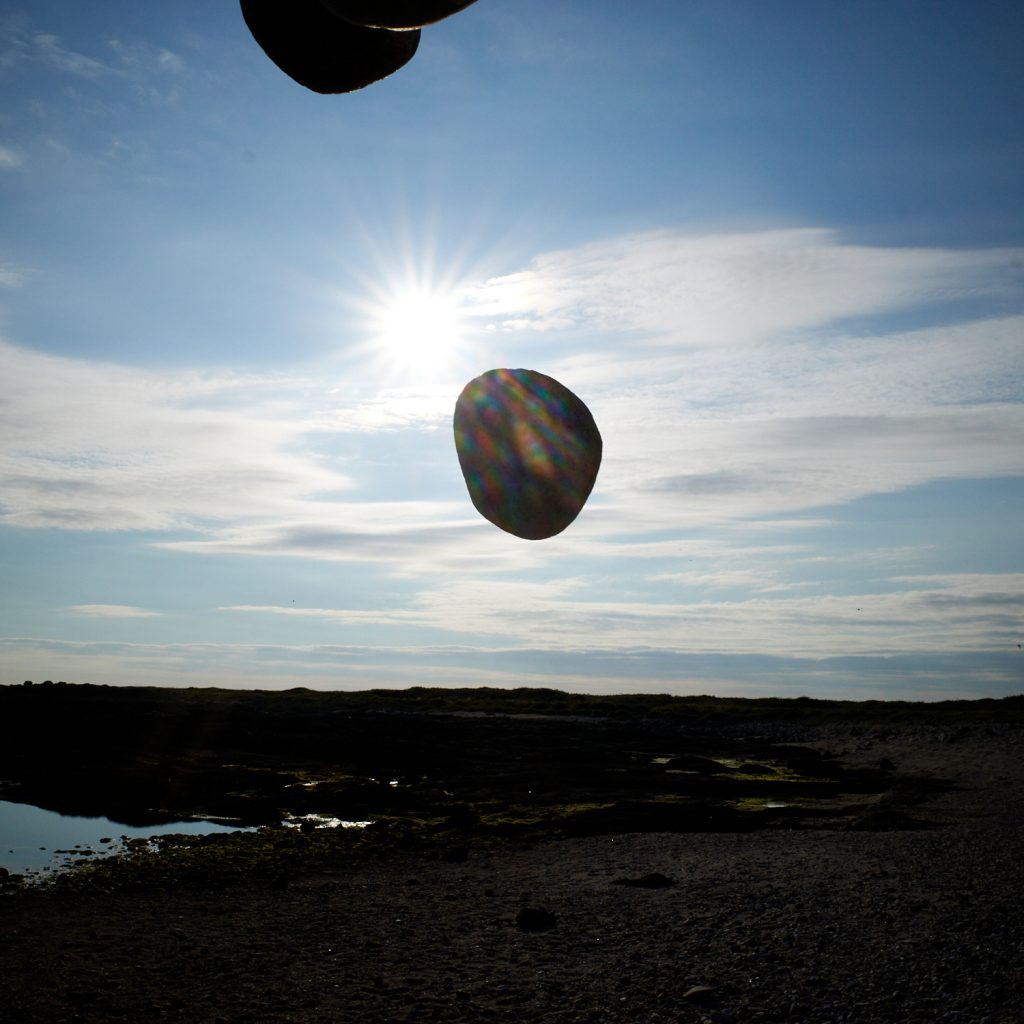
<point>863,923</point>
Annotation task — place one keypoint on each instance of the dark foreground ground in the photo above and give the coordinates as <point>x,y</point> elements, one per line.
<point>889,890</point>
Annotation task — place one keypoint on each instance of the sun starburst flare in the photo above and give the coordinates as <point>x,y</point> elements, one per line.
<point>418,329</point>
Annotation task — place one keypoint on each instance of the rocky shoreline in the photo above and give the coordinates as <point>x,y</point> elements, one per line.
<point>852,923</point>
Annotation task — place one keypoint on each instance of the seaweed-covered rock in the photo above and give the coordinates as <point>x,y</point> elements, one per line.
<point>694,763</point>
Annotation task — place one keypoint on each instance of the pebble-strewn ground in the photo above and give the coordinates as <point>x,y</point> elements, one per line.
<point>814,926</point>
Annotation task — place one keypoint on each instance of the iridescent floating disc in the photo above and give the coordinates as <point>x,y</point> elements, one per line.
<point>529,451</point>
<point>395,14</point>
<point>321,51</point>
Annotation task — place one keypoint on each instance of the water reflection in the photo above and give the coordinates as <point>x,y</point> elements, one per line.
<point>313,821</point>
<point>33,840</point>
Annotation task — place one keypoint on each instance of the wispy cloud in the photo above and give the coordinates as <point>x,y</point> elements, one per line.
<point>407,539</point>
<point>92,446</point>
<point>155,74</point>
<point>126,58</point>
<point>112,611</point>
<point>706,290</point>
<point>144,57</point>
<point>9,158</point>
<point>49,47</point>
<point>753,374</point>
<point>12,276</point>
<point>775,426</point>
<point>391,409</point>
<point>766,406</point>
<point>634,669</point>
<point>928,615</point>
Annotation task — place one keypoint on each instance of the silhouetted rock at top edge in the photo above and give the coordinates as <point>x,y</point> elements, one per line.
<point>321,51</point>
<point>535,919</point>
<point>529,451</point>
<point>395,14</point>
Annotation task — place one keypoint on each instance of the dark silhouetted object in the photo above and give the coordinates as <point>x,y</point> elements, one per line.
<point>320,50</point>
<point>529,451</point>
<point>395,14</point>
<point>535,919</point>
<point>655,880</point>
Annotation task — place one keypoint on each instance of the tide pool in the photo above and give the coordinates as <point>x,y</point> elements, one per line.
<point>36,841</point>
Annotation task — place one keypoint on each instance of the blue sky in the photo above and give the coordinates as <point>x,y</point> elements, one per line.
<point>777,248</point>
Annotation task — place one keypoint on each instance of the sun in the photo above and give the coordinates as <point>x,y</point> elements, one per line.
<point>409,316</point>
<point>417,329</point>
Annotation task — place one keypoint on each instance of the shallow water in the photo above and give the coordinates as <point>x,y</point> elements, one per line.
<point>38,841</point>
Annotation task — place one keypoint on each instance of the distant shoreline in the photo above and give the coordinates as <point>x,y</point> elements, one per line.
<point>442,769</point>
<point>539,700</point>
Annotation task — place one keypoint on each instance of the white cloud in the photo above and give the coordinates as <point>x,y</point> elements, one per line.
<point>700,290</point>
<point>335,666</point>
<point>112,611</point>
<point>138,56</point>
<point>130,58</point>
<point>708,472</point>
<point>167,60</point>
<point>50,48</point>
<point>668,466</point>
<point>929,615</point>
<point>155,74</point>
<point>751,580</point>
<point>778,422</point>
<point>390,409</point>
<point>95,446</point>
<point>12,276</point>
<point>407,538</point>
<point>9,158</point>
<point>728,383</point>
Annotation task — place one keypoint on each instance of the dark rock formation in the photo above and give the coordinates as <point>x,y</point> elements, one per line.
<point>321,51</point>
<point>144,756</point>
<point>395,14</point>
<point>654,880</point>
<point>535,919</point>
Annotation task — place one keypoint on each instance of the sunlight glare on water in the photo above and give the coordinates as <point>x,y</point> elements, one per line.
<point>31,838</point>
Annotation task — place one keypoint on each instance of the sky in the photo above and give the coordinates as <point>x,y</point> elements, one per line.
<point>776,248</point>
